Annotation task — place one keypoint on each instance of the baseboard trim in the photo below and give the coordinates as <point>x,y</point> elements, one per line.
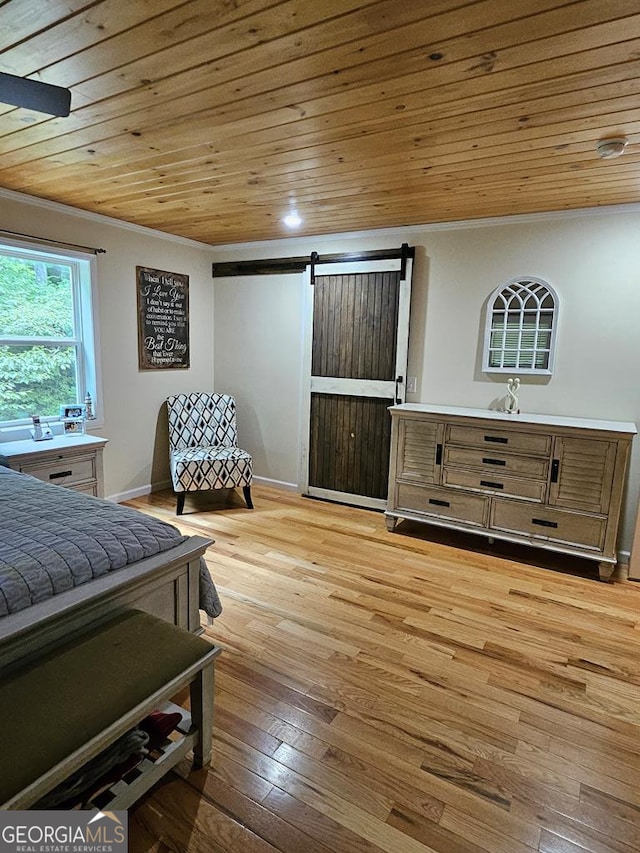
<point>276,484</point>
<point>130,494</point>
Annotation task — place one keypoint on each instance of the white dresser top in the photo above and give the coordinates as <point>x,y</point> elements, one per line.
<point>523,418</point>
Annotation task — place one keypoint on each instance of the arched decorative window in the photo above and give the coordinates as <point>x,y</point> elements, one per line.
<point>520,332</point>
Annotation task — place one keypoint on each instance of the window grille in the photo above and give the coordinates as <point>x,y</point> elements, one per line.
<point>520,330</point>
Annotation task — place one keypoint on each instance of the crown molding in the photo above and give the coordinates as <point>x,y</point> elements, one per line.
<point>393,233</point>
<point>398,232</point>
<point>58,207</point>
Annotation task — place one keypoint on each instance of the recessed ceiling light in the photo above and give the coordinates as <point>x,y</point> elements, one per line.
<point>608,148</point>
<point>292,219</point>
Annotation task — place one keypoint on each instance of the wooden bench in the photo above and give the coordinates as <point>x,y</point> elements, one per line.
<point>77,699</point>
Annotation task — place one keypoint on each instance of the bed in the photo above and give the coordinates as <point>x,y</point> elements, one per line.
<point>69,561</point>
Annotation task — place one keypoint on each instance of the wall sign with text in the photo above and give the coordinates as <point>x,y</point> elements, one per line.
<point>163,319</point>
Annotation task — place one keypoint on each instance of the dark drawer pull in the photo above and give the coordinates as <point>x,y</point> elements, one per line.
<point>491,485</point>
<point>496,439</point>
<point>60,474</point>
<point>543,522</point>
<point>555,467</point>
<point>439,503</point>
<point>438,454</point>
<point>494,461</point>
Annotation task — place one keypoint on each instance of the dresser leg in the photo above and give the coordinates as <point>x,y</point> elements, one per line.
<point>390,522</point>
<point>606,571</point>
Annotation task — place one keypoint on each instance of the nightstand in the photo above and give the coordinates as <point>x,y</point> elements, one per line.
<point>74,462</point>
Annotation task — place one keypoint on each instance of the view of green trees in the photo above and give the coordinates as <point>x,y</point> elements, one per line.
<point>36,301</point>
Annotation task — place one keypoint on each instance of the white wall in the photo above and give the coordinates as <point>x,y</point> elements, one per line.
<point>135,422</point>
<point>592,260</point>
<point>259,344</point>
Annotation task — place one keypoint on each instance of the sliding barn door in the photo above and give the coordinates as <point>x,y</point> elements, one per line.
<point>358,360</point>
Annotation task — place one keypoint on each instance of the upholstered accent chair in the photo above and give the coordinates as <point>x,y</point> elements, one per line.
<point>203,446</point>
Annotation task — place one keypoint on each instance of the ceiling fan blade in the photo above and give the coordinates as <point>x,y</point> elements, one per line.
<point>34,95</point>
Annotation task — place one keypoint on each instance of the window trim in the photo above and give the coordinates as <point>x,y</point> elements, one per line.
<point>525,282</point>
<point>86,336</point>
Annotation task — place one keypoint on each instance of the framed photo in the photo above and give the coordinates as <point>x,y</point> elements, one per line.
<point>74,410</point>
<point>73,426</point>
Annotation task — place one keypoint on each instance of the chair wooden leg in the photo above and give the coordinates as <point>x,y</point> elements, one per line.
<point>180,507</point>
<point>246,490</point>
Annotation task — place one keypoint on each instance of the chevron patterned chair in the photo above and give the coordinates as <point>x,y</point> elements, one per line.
<point>203,446</point>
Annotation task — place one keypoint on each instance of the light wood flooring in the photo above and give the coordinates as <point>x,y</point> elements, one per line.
<point>404,692</point>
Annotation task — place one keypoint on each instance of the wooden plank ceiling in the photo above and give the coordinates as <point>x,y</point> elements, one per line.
<point>210,118</point>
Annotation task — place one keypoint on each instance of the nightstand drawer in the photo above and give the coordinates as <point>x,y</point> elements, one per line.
<point>499,439</point>
<point>86,489</point>
<point>552,524</point>
<point>446,503</point>
<point>64,472</point>
<point>492,482</point>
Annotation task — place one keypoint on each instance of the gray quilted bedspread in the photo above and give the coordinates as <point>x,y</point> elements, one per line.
<point>53,539</point>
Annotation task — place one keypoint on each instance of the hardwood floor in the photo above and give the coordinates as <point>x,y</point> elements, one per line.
<point>400,692</point>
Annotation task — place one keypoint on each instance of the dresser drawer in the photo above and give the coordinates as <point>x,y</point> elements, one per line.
<point>64,472</point>
<point>445,503</point>
<point>495,463</point>
<point>499,439</point>
<point>555,525</point>
<point>493,482</point>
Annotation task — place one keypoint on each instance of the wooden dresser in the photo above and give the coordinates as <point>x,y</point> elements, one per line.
<point>551,482</point>
<point>71,461</point>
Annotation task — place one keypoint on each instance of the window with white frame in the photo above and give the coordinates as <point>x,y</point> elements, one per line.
<point>520,331</point>
<point>47,344</point>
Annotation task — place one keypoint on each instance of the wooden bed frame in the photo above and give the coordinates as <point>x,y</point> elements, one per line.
<point>165,585</point>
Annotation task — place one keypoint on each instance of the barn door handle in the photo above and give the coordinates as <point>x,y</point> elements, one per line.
<point>399,381</point>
